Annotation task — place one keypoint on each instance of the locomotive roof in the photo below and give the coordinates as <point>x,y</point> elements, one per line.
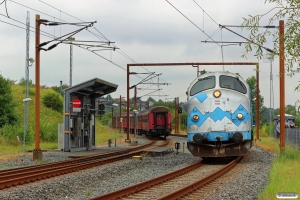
<point>218,73</point>
<point>221,73</point>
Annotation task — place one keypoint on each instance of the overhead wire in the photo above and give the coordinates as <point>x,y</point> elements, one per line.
<point>192,22</point>
<point>205,12</point>
<point>5,7</point>
<point>101,36</point>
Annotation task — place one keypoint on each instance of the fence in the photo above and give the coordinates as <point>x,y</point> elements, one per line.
<point>292,137</point>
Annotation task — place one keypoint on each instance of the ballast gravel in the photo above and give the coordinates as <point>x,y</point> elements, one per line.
<point>104,179</point>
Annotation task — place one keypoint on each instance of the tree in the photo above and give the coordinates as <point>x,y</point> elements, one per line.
<point>151,99</point>
<point>8,115</point>
<point>57,88</point>
<point>289,109</point>
<point>53,100</point>
<point>23,82</point>
<point>252,85</point>
<point>288,10</point>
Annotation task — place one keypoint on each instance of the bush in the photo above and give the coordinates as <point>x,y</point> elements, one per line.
<point>48,131</point>
<point>264,130</point>
<point>8,114</point>
<point>53,100</point>
<point>297,121</point>
<point>31,92</point>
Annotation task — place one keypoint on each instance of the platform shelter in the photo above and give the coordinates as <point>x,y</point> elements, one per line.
<point>80,110</point>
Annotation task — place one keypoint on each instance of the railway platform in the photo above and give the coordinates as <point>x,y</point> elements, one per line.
<point>158,151</point>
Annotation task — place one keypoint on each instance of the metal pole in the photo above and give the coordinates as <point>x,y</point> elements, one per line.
<point>116,132</point>
<point>37,153</point>
<point>112,115</point>
<point>26,80</point>
<point>37,85</point>
<point>257,102</point>
<point>176,115</point>
<point>120,113</point>
<point>127,121</point>
<point>24,128</point>
<point>281,85</point>
<point>135,98</point>
<point>71,61</point>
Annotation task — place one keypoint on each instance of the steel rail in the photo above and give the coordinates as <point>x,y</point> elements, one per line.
<point>136,188</point>
<point>194,186</point>
<point>150,183</point>
<point>68,162</point>
<point>31,174</point>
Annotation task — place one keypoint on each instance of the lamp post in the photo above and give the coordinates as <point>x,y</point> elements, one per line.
<point>71,58</point>
<point>112,120</point>
<point>135,119</point>
<point>25,127</point>
<point>31,60</point>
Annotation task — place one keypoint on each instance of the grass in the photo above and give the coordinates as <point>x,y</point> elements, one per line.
<point>284,174</point>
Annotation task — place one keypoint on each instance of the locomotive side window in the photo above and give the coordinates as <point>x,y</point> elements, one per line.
<point>203,84</point>
<point>232,83</point>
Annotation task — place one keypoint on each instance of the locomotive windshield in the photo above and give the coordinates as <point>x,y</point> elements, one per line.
<point>232,83</point>
<point>203,84</point>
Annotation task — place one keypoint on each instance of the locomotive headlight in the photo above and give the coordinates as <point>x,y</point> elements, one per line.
<point>195,117</point>
<point>217,93</point>
<point>240,115</point>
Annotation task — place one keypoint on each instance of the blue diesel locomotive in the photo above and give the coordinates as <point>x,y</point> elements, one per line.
<point>219,115</point>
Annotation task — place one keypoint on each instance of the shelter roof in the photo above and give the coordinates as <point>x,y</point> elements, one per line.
<point>94,88</point>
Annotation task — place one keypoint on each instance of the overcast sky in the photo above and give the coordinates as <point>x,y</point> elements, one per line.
<point>146,32</point>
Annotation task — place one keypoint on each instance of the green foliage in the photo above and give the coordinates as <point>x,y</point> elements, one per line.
<point>31,92</point>
<point>289,109</point>
<point>151,99</point>
<point>48,131</point>
<point>297,121</point>
<point>284,174</point>
<point>183,122</point>
<point>203,72</point>
<point>106,119</point>
<point>53,100</point>
<point>8,114</point>
<point>57,88</point>
<point>287,10</point>
<point>22,82</point>
<point>11,132</point>
<point>168,104</point>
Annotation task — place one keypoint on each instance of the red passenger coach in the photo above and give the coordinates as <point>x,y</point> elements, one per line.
<point>155,122</point>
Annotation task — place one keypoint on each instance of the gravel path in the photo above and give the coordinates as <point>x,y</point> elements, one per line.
<point>103,179</point>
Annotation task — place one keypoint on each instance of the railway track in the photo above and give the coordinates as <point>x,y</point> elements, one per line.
<point>184,181</point>
<point>18,176</point>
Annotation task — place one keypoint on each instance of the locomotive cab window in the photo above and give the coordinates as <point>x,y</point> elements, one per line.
<point>232,83</point>
<point>203,84</point>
